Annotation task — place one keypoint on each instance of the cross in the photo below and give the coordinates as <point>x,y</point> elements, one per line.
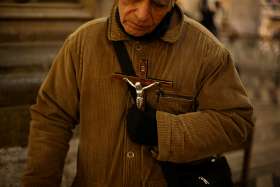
<point>140,84</point>
<point>144,81</point>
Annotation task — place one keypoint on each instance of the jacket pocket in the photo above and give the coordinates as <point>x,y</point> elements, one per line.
<point>175,103</point>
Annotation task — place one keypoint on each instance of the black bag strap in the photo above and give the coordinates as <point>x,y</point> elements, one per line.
<point>125,62</point>
<point>123,58</point>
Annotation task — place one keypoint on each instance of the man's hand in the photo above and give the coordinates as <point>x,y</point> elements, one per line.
<point>142,126</point>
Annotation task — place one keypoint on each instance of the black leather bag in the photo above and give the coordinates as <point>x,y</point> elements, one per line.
<point>210,172</point>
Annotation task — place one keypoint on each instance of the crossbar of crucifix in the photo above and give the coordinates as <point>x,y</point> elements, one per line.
<point>144,81</point>
<point>141,84</point>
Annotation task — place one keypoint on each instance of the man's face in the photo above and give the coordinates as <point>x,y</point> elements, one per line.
<point>140,17</point>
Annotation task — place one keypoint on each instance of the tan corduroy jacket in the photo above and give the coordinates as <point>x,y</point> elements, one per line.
<point>79,90</point>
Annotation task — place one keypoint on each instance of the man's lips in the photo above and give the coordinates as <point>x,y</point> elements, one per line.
<point>138,27</point>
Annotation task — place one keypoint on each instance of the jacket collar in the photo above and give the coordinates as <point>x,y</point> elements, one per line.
<point>115,33</point>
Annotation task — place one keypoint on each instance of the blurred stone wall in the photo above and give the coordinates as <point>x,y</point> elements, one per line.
<point>103,8</point>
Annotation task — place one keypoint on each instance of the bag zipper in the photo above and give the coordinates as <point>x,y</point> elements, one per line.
<point>204,180</point>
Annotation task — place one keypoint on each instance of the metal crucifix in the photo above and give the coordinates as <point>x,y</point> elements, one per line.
<point>141,84</point>
<point>140,91</point>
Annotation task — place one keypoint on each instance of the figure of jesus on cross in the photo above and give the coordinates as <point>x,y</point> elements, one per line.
<point>140,91</point>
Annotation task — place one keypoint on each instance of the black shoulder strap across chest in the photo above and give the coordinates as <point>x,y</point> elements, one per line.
<point>125,62</point>
<point>123,58</point>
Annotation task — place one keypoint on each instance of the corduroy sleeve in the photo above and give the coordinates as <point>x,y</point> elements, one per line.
<point>52,119</point>
<point>222,122</point>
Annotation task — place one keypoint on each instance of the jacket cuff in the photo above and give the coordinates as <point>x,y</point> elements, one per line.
<point>164,136</point>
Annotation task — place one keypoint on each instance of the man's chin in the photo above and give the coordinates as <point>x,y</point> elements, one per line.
<point>136,33</point>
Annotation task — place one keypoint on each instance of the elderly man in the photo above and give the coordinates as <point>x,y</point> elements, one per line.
<point>198,107</point>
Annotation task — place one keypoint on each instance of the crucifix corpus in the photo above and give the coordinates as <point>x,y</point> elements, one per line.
<point>140,91</point>
<point>141,84</point>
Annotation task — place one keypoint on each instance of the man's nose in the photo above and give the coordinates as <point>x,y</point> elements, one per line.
<point>143,12</point>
